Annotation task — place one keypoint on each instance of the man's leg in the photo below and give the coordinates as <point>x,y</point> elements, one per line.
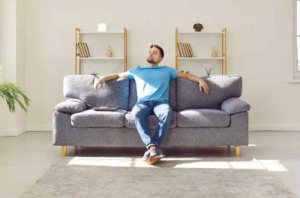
<point>164,113</point>
<point>140,113</point>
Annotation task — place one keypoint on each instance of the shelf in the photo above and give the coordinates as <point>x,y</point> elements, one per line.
<point>106,58</point>
<point>196,58</point>
<point>96,32</point>
<point>188,32</point>
<point>78,38</point>
<point>179,56</point>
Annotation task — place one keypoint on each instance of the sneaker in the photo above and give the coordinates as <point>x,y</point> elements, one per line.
<point>153,155</point>
<point>146,155</point>
<point>156,152</point>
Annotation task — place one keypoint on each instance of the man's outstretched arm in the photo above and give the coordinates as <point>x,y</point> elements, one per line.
<point>103,79</point>
<point>202,83</point>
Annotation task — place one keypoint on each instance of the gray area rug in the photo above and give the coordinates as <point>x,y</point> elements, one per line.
<point>171,177</point>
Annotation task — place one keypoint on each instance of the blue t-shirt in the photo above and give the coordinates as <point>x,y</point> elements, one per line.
<point>152,83</point>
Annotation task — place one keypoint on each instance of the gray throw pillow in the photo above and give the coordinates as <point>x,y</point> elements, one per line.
<point>71,106</point>
<point>234,105</point>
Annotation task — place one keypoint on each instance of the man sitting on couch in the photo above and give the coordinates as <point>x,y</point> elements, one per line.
<point>152,84</point>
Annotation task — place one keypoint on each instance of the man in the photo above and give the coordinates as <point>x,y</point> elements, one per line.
<point>152,84</point>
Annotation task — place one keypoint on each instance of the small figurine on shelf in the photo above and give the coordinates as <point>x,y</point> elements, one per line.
<point>208,72</point>
<point>198,27</point>
<point>214,51</point>
<point>187,72</point>
<point>109,52</point>
<point>94,73</point>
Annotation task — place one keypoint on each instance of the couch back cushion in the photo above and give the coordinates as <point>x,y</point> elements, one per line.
<point>113,93</point>
<point>133,95</point>
<point>221,88</point>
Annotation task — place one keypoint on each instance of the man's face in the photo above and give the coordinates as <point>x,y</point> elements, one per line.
<point>154,56</point>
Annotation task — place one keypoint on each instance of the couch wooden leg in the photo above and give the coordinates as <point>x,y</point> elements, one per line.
<point>237,151</point>
<point>64,150</point>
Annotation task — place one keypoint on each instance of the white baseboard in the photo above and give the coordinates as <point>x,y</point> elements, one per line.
<point>40,128</point>
<point>13,132</point>
<point>274,128</point>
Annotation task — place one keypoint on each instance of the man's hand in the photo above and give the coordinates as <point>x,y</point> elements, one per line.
<point>100,82</point>
<point>202,84</point>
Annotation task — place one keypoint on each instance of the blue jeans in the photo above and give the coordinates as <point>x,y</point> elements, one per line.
<point>140,113</point>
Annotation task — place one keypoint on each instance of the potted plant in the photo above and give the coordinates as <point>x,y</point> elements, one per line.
<point>11,93</point>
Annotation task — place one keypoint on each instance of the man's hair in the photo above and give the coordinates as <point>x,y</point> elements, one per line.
<point>160,49</point>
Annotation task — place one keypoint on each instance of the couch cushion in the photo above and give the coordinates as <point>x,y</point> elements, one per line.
<point>221,87</point>
<point>113,93</point>
<point>133,95</point>
<point>202,118</point>
<point>152,120</point>
<point>91,118</point>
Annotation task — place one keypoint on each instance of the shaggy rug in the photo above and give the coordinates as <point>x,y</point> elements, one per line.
<point>171,177</point>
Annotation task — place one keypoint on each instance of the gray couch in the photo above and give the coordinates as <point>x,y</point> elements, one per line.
<point>219,118</point>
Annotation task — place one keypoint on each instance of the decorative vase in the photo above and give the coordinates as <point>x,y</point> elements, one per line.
<point>109,52</point>
<point>214,52</point>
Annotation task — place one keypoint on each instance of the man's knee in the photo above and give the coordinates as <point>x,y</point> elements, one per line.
<point>167,113</point>
<point>135,112</point>
<point>138,112</point>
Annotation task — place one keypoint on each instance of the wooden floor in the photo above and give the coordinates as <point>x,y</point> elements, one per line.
<point>25,158</point>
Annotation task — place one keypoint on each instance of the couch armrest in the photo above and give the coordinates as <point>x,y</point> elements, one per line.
<point>72,105</point>
<point>235,105</point>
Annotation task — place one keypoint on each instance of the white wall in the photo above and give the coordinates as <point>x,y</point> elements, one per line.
<point>12,57</point>
<point>20,62</point>
<point>259,48</point>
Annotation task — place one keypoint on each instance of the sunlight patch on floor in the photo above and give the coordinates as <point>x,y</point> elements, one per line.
<point>168,162</point>
<point>273,165</point>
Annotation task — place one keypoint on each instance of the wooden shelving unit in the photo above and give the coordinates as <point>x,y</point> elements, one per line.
<point>223,34</point>
<point>100,57</point>
<point>78,59</point>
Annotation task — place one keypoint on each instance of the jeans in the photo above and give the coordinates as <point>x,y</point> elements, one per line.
<point>140,113</point>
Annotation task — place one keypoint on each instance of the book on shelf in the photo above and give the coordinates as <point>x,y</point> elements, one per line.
<point>88,50</point>
<point>179,50</point>
<point>83,50</point>
<point>185,50</point>
<point>79,50</point>
<point>182,49</point>
<point>191,50</point>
